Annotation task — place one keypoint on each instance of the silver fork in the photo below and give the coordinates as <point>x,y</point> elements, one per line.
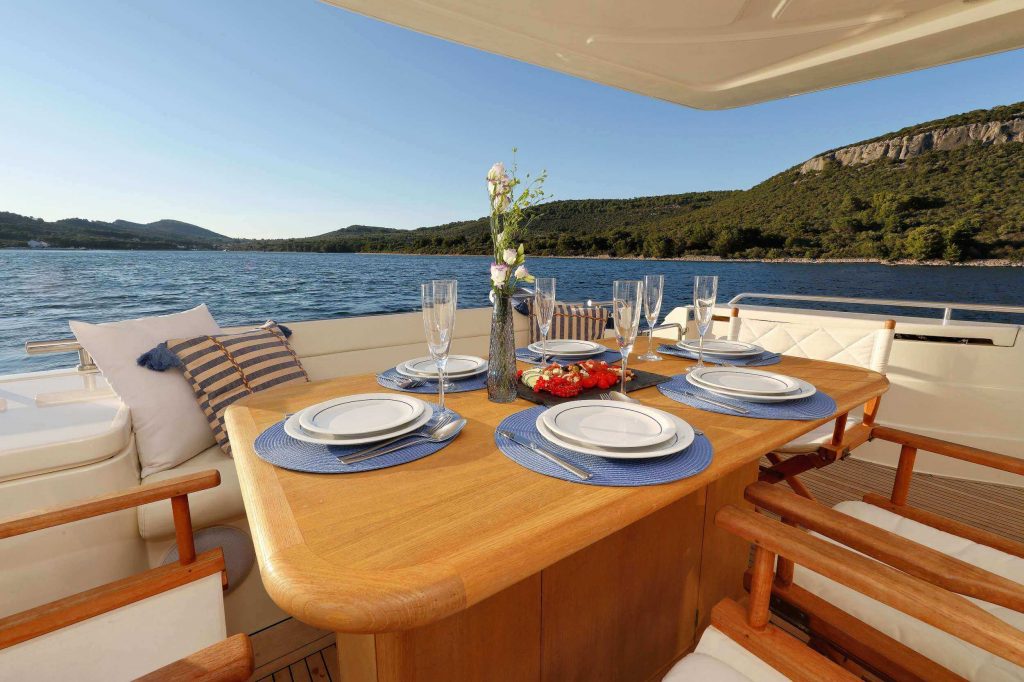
<point>404,382</point>
<point>441,422</point>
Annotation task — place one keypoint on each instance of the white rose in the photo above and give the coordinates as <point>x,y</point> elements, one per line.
<point>497,172</point>
<point>499,274</point>
<point>523,273</point>
<point>510,256</point>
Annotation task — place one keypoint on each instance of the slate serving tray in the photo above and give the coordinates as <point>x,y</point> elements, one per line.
<point>640,380</point>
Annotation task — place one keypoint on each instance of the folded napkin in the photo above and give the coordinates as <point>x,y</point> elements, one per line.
<point>763,360</point>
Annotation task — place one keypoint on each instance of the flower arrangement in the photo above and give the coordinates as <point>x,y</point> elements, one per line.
<point>509,222</point>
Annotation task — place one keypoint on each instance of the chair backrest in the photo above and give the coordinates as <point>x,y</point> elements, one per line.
<point>864,344</point>
<point>586,323</point>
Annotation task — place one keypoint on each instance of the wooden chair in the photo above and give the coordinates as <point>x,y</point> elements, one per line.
<point>864,344</point>
<point>140,625</point>
<point>741,643</point>
<point>952,556</point>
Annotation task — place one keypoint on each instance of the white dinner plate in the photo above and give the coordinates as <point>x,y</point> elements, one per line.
<point>723,347</point>
<point>805,390</point>
<point>608,424</point>
<point>568,348</point>
<point>293,429</point>
<point>364,414</point>
<point>459,366</point>
<point>744,380</point>
<point>682,439</point>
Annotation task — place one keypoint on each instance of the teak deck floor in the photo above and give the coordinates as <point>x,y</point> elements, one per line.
<point>293,652</point>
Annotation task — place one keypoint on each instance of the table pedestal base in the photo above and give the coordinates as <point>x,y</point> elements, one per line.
<point>625,608</point>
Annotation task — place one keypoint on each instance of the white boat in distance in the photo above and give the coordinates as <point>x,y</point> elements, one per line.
<point>65,436</point>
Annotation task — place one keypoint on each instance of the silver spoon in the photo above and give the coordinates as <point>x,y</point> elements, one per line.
<point>441,421</point>
<point>438,435</point>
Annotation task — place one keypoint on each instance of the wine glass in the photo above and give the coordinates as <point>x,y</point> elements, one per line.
<point>544,309</point>
<point>705,289</point>
<point>654,286</point>
<point>440,299</point>
<point>626,303</point>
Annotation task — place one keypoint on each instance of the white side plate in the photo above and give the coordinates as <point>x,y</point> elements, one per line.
<point>721,347</point>
<point>458,366</point>
<point>805,390</point>
<point>568,348</point>
<point>682,439</point>
<point>743,380</point>
<point>364,414</point>
<point>608,424</point>
<point>292,428</point>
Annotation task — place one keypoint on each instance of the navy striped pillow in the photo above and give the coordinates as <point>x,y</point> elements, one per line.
<point>226,367</point>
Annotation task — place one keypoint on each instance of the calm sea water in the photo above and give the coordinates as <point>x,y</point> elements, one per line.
<point>41,290</point>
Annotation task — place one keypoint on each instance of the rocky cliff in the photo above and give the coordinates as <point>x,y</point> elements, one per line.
<point>909,146</point>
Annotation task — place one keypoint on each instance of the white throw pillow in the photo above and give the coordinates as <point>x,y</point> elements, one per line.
<point>169,426</point>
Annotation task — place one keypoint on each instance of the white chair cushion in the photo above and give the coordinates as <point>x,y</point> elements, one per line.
<point>812,440</point>
<point>867,347</point>
<point>960,657</point>
<point>169,426</point>
<point>207,507</point>
<point>718,658</point>
<point>127,642</point>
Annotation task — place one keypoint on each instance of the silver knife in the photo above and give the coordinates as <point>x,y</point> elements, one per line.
<point>533,447</point>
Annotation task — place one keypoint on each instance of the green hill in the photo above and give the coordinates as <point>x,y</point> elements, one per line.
<point>18,230</point>
<point>952,197</point>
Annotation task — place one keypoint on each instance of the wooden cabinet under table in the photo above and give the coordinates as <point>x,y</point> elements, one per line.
<point>465,566</point>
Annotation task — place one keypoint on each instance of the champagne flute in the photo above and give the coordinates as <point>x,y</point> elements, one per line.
<point>626,303</point>
<point>654,287</point>
<point>544,309</point>
<point>705,289</point>
<point>440,299</point>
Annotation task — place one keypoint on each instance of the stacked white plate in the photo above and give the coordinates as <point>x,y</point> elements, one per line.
<point>721,347</point>
<point>358,419</point>
<point>752,385</point>
<point>568,348</point>
<point>459,367</point>
<point>614,430</point>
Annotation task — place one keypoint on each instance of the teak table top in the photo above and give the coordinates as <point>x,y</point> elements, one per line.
<point>403,547</point>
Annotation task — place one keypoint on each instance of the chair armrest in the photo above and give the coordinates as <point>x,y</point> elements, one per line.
<point>908,556</point>
<point>944,610</point>
<point>954,450</point>
<point>230,660</point>
<point>111,502</point>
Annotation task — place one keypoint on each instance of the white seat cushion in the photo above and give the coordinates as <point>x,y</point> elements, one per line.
<point>812,440</point>
<point>207,507</point>
<point>962,658</point>
<point>718,658</point>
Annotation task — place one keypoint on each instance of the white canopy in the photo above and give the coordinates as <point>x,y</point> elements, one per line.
<point>715,54</point>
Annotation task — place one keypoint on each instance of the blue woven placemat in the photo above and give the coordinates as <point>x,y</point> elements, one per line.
<point>609,472</point>
<point>474,383</point>
<point>762,360</point>
<point>528,356</point>
<point>280,449</point>
<point>817,406</point>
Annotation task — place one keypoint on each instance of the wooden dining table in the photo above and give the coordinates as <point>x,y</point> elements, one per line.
<point>464,565</point>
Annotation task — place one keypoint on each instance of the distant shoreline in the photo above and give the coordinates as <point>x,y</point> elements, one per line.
<point>980,263</point>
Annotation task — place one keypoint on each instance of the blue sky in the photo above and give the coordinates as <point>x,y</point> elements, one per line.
<point>290,118</point>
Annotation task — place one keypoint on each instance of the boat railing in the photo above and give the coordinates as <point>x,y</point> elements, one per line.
<point>947,308</point>
<point>85,362</point>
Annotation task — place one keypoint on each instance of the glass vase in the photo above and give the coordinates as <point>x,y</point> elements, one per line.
<point>501,361</point>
